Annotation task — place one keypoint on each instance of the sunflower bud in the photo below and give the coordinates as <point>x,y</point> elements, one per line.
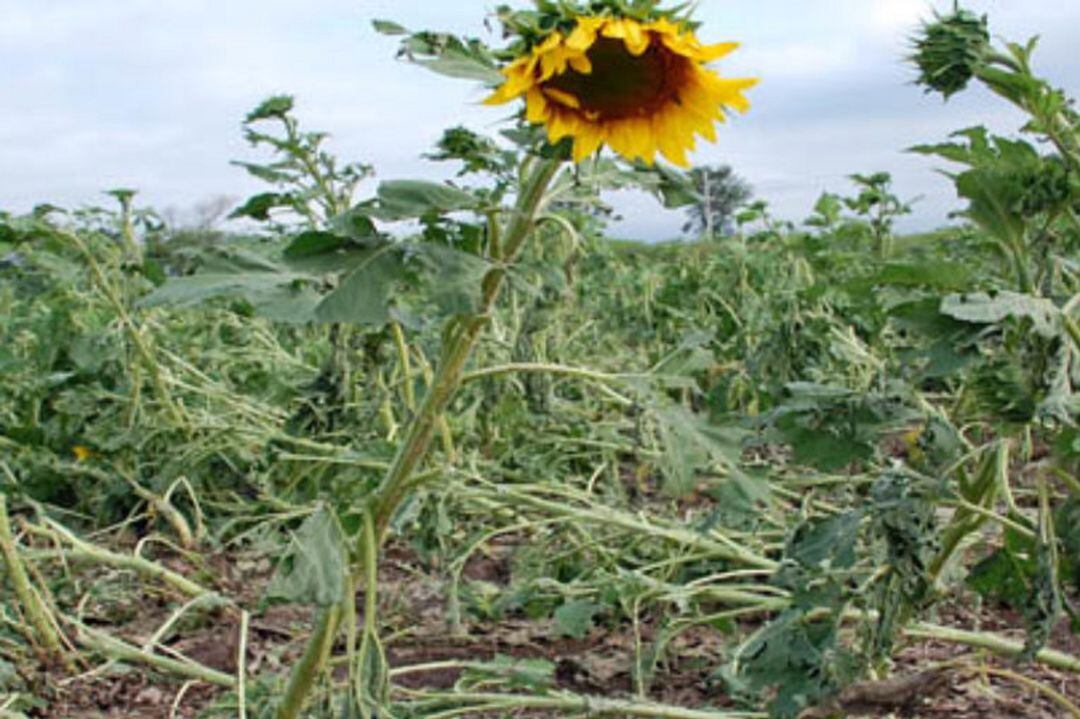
<point>950,51</point>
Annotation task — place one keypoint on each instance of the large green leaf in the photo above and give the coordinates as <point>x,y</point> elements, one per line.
<point>410,199</point>
<point>941,275</point>
<point>274,291</point>
<point>982,308</point>
<point>366,294</point>
<point>408,282</point>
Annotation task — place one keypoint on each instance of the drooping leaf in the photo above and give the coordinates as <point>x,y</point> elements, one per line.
<point>462,58</point>
<point>410,199</point>
<point>691,444</point>
<point>313,570</point>
<point>529,674</point>
<point>981,308</point>
<point>798,660</point>
<point>826,543</point>
<point>365,296</point>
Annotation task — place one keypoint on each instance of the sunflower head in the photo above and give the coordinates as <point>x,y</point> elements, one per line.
<point>950,50</point>
<point>637,80</point>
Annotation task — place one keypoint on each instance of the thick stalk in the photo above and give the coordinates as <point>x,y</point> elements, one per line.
<point>993,643</point>
<point>570,704</point>
<point>24,590</point>
<point>309,669</point>
<point>460,341</point>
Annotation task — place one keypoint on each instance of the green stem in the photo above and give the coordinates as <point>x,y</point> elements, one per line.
<point>460,340</point>
<point>83,550</point>
<point>715,544</point>
<point>309,669</point>
<point>36,612</point>
<point>588,706</point>
<point>116,649</point>
<point>993,643</point>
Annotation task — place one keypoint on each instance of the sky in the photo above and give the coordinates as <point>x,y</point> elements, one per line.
<point>149,94</point>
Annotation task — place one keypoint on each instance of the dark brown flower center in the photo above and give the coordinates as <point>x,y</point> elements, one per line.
<point>620,84</point>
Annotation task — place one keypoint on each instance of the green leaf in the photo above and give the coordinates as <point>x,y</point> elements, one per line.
<point>466,59</point>
<point>691,444</point>
<point>410,199</point>
<point>1067,524</point>
<point>315,243</point>
<point>575,619</point>
<point>530,674</point>
<point>981,308</point>
<point>826,543</point>
<point>388,27</point>
<point>274,107</point>
<point>366,295</point>
<point>260,206</point>
<point>314,568</point>
<point>274,291</point>
<point>939,275</point>
<point>798,660</point>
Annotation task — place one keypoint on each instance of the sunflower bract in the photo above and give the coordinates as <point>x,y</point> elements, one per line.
<point>641,88</point>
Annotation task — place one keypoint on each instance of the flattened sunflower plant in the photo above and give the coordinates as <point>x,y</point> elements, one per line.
<point>633,77</point>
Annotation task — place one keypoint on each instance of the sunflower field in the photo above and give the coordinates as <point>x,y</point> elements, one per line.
<point>413,449</point>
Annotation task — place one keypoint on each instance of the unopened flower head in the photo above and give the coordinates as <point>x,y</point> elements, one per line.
<point>950,50</point>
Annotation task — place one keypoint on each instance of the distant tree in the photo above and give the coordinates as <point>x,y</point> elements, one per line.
<point>722,193</point>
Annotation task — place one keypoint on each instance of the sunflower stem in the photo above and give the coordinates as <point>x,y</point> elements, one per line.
<point>401,481</point>
<point>460,340</point>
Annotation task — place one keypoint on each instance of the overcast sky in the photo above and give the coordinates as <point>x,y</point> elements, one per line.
<point>150,93</point>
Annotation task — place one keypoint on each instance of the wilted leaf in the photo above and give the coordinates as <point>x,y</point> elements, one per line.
<point>314,568</point>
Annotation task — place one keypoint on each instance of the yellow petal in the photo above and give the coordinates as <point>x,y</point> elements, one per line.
<point>581,64</point>
<point>587,141</point>
<point>671,139</point>
<point>561,124</point>
<point>708,53</point>
<point>562,97</point>
<point>583,36</point>
<point>537,109</point>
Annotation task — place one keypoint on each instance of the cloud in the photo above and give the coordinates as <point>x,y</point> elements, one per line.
<point>150,93</point>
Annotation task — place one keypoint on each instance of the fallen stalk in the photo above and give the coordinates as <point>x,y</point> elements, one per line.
<point>89,552</point>
<point>585,705</point>
<point>119,650</point>
<point>712,544</point>
<point>992,643</point>
<point>36,611</point>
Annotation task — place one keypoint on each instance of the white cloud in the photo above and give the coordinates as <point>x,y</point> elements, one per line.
<point>151,92</point>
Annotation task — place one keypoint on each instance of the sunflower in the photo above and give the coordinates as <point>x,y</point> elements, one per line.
<point>638,87</point>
